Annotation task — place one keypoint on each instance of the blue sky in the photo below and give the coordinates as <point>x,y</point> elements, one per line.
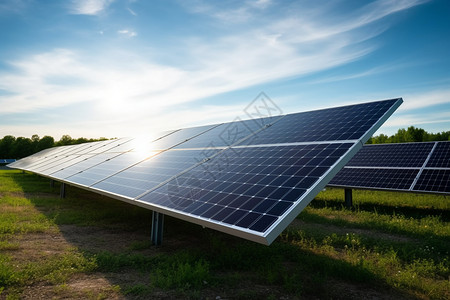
<point>110,68</point>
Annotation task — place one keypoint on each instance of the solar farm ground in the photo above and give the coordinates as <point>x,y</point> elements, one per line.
<point>390,246</point>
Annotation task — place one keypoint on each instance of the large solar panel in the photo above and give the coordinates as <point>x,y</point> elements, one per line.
<point>415,167</point>
<point>248,178</point>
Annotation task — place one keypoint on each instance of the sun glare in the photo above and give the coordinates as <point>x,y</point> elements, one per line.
<point>142,146</point>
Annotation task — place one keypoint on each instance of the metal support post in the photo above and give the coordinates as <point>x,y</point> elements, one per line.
<point>348,198</point>
<point>62,193</point>
<point>157,228</point>
<point>52,183</point>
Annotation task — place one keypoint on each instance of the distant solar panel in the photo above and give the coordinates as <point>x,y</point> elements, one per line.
<point>440,158</point>
<point>248,178</point>
<point>7,161</point>
<point>416,167</point>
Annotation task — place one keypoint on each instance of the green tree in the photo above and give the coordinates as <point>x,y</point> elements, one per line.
<point>65,140</point>
<point>412,134</point>
<point>416,134</point>
<point>44,143</point>
<point>22,147</point>
<point>6,145</point>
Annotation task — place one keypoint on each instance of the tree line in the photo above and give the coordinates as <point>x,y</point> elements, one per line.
<point>12,147</point>
<point>412,134</point>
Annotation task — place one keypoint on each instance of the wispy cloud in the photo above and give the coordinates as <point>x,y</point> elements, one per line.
<point>89,7</point>
<point>240,12</point>
<point>14,6</point>
<point>128,33</point>
<point>139,90</point>
<point>411,112</point>
<point>368,72</point>
<point>132,12</point>
<point>431,98</point>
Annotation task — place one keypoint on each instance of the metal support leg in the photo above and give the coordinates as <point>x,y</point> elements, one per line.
<point>62,193</point>
<point>52,183</point>
<point>157,228</point>
<point>348,198</point>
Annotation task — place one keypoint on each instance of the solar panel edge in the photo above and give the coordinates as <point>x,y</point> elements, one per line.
<point>381,121</point>
<point>209,223</point>
<point>277,228</point>
<point>367,188</point>
<point>233,230</point>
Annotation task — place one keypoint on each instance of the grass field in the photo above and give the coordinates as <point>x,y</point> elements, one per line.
<point>390,246</point>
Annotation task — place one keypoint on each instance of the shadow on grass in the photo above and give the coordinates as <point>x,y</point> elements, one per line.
<point>410,212</point>
<point>193,262</point>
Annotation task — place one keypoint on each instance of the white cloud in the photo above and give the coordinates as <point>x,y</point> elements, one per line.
<point>368,72</point>
<point>411,113</point>
<point>239,12</point>
<point>129,91</point>
<point>420,100</point>
<point>132,12</point>
<point>406,120</point>
<point>128,33</point>
<point>89,7</point>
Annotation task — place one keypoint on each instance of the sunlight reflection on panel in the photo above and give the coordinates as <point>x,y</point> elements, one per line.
<point>142,146</point>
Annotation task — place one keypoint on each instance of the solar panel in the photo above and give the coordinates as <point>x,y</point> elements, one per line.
<point>376,178</point>
<point>7,161</point>
<point>342,123</point>
<point>248,178</point>
<point>250,188</point>
<point>392,155</point>
<point>440,158</point>
<point>415,167</point>
<point>434,180</point>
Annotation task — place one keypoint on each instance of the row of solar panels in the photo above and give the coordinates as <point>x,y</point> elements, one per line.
<point>248,178</point>
<point>417,167</point>
<point>7,161</point>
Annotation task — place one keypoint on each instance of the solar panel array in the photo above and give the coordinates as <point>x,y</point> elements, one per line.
<point>416,167</point>
<point>247,178</point>
<point>7,161</point>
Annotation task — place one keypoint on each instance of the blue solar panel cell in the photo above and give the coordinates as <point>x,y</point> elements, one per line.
<point>236,180</point>
<point>148,174</point>
<point>392,155</point>
<point>397,166</point>
<point>433,180</point>
<point>342,123</point>
<point>60,165</point>
<point>440,157</point>
<point>83,165</point>
<point>107,168</point>
<point>379,178</point>
<point>228,134</point>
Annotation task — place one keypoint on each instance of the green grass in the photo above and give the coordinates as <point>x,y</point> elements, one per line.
<point>89,246</point>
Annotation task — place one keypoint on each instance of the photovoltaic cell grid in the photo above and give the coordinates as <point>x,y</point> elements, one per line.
<point>416,167</point>
<point>248,178</point>
<point>248,187</point>
<point>392,155</point>
<point>342,123</point>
